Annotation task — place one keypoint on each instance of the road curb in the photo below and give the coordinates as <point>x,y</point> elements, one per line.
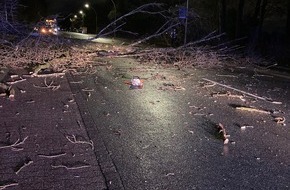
<point>107,166</point>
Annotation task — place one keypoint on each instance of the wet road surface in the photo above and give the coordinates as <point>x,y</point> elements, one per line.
<point>165,136</point>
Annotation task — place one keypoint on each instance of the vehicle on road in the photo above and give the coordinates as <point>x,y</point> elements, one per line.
<point>47,27</point>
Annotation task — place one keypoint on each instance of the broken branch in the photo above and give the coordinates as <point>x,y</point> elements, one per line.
<point>222,131</point>
<point>52,155</point>
<point>14,145</point>
<point>4,185</point>
<point>244,92</point>
<point>50,85</point>
<point>73,139</point>
<point>23,165</point>
<point>73,166</point>
<point>251,109</point>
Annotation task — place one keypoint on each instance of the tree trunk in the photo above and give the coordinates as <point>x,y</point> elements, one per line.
<point>222,16</point>
<point>262,15</point>
<point>258,20</point>
<point>257,12</point>
<point>239,22</point>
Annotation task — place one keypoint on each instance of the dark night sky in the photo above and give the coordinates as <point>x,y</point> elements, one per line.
<point>69,6</point>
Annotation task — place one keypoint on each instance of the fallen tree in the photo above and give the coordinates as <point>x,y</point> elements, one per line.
<point>56,54</point>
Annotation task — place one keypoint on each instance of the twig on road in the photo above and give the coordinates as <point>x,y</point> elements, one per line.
<point>244,92</point>
<point>4,185</point>
<point>17,81</point>
<point>73,139</point>
<point>74,166</point>
<point>251,109</point>
<point>49,86</point>
<point>15,144</point>
<point>52,155</point>
<point>222,131</point>
<point>280,120</point>
<point>23,165</point>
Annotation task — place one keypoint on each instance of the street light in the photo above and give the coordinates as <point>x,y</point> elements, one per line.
<point>88,6</point>
<point>83,16</point>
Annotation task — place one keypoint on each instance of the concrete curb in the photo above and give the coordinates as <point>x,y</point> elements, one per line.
<point>108,168</point>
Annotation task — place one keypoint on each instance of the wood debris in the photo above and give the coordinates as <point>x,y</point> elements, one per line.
<point>88,90</point>
<point>228,94</point>
<point>222,132</point>
<point>244,92</point>
<point>14,146</point>
<point>48,86</point>
<point>280,120</point>
<point>73,139</point>
<point>17,81</point>
<point>6,90</point>
<point>243,127</point>
<point>47,75</point>
<point>6,184</point>
<point>170,174</point>
<point>22,165</point>
<point>252,109</point>
<point>52,155</point>
<point>71,166</point>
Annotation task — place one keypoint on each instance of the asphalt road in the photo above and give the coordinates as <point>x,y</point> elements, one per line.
<point>165,137</point>
<point>80,36</point>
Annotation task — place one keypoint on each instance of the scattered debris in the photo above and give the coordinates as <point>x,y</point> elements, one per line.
<point>49,86</point>
<point>22,165</point>
<point>8,91</point>
<point>228,94</point>
<point>17,81</point>
<point>77,82</point>
<point>280,120</point>
<point>5,184</point>
<point>146,146</point>
<point>252,109</point>
<point>136,83</point>
<point>207,84</point>
<point>73,139</point>
<point>72,166</point>
<point>243,127</point>
<point>222,132</point>
<point>71,100</point>
<point>233,76</point>
<point>170,174</point>
<point>88,90</point>
<point>15,145</point>
<point>243,92</point>
<point>52,155</point>
<point>47,75</point>
<point>30,101</point>
<point>117,132</point>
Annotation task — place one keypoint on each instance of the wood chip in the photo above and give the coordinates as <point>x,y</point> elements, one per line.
<point>251,109</point>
